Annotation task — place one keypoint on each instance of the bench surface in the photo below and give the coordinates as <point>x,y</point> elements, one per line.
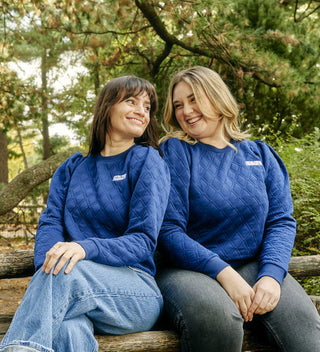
<point>149,341</point>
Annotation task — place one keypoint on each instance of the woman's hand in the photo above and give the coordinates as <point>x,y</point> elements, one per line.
<point>238,289</point>
<point>60,253</point>
<point>267,294</point>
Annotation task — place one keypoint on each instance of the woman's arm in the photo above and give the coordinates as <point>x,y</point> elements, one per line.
<point>280,226</point>
<point>51,222</point>
<point>280,230</point>
<point>182,250</point>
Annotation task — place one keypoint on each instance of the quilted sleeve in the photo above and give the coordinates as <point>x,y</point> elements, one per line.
<point>51,222</point>
<point>182,250</point>
<point>150,180</point>
<point>280,227</point>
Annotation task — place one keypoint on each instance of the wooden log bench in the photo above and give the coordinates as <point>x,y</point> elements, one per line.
<point>19,263</point>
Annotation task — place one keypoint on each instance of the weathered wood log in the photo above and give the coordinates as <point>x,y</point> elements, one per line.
<point>316,301</point>
<point>168,341</point>
<point>17,263</point>
<point>305,265</point>
<point>20,263</point>
<point>151,341</point>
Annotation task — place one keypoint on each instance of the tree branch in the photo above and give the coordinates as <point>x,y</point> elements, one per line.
<point>160,28</point>
<point>259,78</point>
<point>304,14</point>
<point>26,181</point>
<point>165,53</point>
<point>100,33</point>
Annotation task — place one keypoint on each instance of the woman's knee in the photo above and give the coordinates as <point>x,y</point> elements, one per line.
<point>295,323</point>
<point>201,311</point>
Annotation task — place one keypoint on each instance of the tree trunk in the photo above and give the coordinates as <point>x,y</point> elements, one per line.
<point>3,157</point>
<point>44,108</point>
<point>25,162</point>
<point>96,74</point>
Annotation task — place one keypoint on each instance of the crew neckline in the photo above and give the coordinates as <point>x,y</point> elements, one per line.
<point>116,156</point>
<point>216,149</point>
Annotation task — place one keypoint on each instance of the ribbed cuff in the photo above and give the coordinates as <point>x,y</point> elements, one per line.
<point>214,266</point>
<point>90,248</point>
<point>272,270</point>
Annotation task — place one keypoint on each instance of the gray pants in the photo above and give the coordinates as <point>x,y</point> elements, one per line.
<point>208,320</point>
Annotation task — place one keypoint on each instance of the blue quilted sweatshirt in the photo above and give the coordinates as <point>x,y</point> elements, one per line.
<point>227,208</point>
<point>112,206</point>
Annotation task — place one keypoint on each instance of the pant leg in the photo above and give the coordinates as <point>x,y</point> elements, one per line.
<point>294,325</point>
<point>201,311</point>
<point>69,332</point>
<point>117,299</point>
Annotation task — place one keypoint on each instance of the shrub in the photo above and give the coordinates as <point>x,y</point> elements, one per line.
<point>302,159</point>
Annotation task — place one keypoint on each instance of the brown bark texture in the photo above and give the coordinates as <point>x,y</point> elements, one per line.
<point>3,157</point>
<point>27,180</point>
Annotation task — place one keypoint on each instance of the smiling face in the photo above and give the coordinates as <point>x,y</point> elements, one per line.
<point>129,118</point>
<point>190,118</point>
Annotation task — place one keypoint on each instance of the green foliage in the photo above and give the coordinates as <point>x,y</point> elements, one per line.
<point>267,51</point>
<point>302,159</point>
<point>311,285</point>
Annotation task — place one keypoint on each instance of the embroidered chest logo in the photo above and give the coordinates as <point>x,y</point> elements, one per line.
<point>119,177</point>
<point>253,163</point>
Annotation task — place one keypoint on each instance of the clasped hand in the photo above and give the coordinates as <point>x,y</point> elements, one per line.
<point>259,299</point>
<point>60,253</point>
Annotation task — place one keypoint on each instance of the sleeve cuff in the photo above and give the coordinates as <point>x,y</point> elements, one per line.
<point>214,266</point>
<point>273,271</point>
<point>90,248</point>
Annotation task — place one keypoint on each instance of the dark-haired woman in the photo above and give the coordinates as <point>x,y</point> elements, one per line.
<point>96,239</point>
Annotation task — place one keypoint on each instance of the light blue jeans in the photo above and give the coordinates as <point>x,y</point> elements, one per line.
<point>60,313</point>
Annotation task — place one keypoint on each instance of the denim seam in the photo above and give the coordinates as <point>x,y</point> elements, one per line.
<point>273,333</point>
<point>80,294</point>
<point>84,297</point>
<point>30,344</point>
<point>140,271</point>
<point>178,310</point>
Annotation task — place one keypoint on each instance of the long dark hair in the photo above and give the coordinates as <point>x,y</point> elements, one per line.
<point>117,90</point>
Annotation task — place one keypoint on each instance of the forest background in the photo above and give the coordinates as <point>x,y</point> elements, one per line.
<point>267,51</point>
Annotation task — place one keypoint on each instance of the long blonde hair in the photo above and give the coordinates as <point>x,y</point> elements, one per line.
<point>204,81</point>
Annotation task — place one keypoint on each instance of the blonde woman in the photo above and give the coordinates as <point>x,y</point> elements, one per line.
<point>228,229</point>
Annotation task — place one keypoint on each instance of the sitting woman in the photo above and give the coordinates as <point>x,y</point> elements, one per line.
<point>96,239</point>
<point>228,228</point>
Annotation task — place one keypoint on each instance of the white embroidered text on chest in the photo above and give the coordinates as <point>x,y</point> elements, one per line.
<point>253,163</point>
<point>119,177</point>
